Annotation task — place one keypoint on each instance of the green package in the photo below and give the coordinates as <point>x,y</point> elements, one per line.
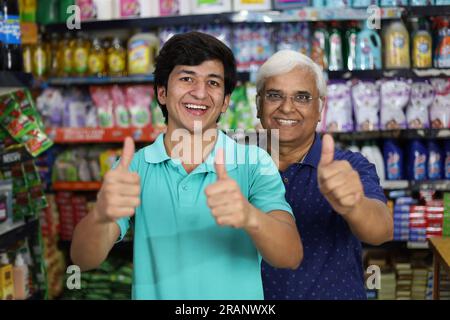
<point>12,119</point>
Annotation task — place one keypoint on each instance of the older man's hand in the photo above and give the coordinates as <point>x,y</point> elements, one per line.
<point>338,182</point>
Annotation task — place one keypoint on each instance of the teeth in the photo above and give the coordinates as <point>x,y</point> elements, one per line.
<point>287,122</point>
<point>195,106</point>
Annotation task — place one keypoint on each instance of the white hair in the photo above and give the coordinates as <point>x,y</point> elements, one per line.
<point>284,61</point>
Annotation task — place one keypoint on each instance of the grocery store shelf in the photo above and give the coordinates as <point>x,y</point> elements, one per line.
<point>393,73</point>
<point>65,81</point>
<point>100,135</point>
<point>11,233</point>
<point>76,186</point>
<point>427,11</point>
<point>397,244</point>
<point>393,134</point>
<point>438,185</point>
<point>15,79</point>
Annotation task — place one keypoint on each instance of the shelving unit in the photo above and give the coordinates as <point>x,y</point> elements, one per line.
<point>10,79</point>
<point>77,186</point>
<point>393,134</point>
<point>19,230</point>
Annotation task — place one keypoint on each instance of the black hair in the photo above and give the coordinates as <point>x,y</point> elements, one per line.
<point>192,49</point>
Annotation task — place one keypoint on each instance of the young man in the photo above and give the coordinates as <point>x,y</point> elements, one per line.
<point>201,224</point>
<point>335,195</point>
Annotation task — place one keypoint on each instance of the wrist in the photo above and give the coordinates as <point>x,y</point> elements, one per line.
<point>253,222</point>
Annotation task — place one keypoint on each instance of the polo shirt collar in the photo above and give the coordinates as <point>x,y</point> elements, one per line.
<point>313,156</point>
<point>156,153</point>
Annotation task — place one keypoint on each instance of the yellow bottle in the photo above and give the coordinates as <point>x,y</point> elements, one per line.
<point>80,56</point>
<point>65,56</point>
<point>96,59</point>
<point>27,63</point>
<point>39,59</point>
<point>53,56</point>
<point>421,46</point>
<point>396,46</point>
<point>142,49</point>
<point>116,59</point>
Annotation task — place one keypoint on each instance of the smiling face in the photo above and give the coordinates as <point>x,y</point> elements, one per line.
<point>194,93</point>
<point>296,123</point>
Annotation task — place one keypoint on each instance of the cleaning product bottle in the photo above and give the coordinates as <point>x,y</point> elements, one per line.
<point>393,158</point>
<point>350,46</point>
<point>20,275</point>
<point>6,278</point>
<point>417,161</point>
<point>368,52</point>
<point>12,50</point>
<point>396,46</point>
<point>378,161</point>
<point>116,59</point>
<point>142,49</point>
<point>442,54</point>
<point>447,159</point>
<point>435,163</point>
<point>421,44</point>
<point>319,45</point>
<point>96,59</point>
<point>336,61</point>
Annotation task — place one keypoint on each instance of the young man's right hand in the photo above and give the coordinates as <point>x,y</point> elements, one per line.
<point>121,189</point>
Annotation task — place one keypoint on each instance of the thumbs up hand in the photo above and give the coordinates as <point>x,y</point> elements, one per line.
<point>121,189</point>
<point>338,182</point>
<point>228,205</point>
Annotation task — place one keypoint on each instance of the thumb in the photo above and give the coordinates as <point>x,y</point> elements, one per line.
<point>219,164</point>
<point>327,155</point>
<point>127,153</point>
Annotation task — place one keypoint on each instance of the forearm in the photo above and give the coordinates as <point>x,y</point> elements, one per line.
<point>371,222</point>
<point>276,237</point>
<point>92,241</point>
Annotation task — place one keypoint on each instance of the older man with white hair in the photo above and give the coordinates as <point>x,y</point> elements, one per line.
<point>335,194</point>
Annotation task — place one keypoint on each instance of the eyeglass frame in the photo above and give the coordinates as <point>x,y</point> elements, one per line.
<point>292,97</point>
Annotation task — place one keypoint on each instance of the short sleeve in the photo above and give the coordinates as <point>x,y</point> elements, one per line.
<point>267,191</point>
<point>369,177</point>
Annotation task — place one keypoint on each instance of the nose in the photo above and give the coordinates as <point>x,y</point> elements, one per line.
<point>287,105</point>
<point>199,90</point>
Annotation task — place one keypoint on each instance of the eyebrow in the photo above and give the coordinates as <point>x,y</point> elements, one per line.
<point>281,91</point>
<point>190,72</point>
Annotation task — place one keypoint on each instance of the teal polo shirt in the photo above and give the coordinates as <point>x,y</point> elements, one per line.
<point>179,250</point>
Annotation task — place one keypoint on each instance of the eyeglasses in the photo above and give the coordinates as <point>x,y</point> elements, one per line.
<point>298,100</point>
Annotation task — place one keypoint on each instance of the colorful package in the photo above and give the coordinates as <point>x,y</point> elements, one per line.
<point>422,96</point>
<point>440,109</point>
<point>121,115</point>
<point>339,108</point>
<point>104,103</point>
<point>138,100</point>
<point>394,98</point>
<point>366,103</point>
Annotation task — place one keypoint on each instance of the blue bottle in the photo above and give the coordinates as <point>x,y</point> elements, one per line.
<point>393,159</point>
<point>364,3</point>
<point>417,161</point>
<point>447,159</point>
<point>435,161</point>
<point>368,49</point>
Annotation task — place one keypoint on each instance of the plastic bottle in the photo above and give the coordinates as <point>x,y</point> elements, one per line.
<point>142,49</point>
<point>447,159</point>
<point>12,50</point>
<point>20,275</point>
<point>27,58</point>
<point>373,155</point>
<point>396,46</point>
<point>96,59</point>
<point>80,55</point>
<point>442,54</point>
<point>6,272</point>
<point>319,45</point>
<point>2,36</point>
<point>336,61</point>
<point>47,12</point>
<point>417,161</point>
<point>393,159</point>
<point>350,45</point>
<point>435,161</point>
<point>65,55</point>
<point>52,55</point>
<point>368,49</point>
<point>421,45</point>
<point>39,59</point>
<point>28,10</point>
<point>116,59</point>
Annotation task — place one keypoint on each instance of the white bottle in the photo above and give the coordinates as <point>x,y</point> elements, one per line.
<point>20,276</point>
<point>373,155</point>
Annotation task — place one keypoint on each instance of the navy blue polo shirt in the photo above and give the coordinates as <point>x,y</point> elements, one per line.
<point>332,265</point>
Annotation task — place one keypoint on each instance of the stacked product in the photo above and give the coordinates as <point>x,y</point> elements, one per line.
<point>419,283</point>
<point>72,208</point>
<point>404,280</point>
<point>111,281</point>
<point>446,219</point>
<point>434,215</point>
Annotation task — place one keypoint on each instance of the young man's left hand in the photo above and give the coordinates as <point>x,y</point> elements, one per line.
<point>228,205</point>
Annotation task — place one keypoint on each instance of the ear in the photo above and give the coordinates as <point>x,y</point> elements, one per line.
<point>226,103</point>
<point>162,95</point>
<point>258,106</point>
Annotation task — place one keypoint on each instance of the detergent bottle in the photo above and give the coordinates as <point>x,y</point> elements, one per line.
<point>336,61</point>
<point>442,53</point>
<point>368,49</point>
<point>350,45</point>
<point>421,44</point>
<point>393,158</point>
<point>417,161</point>
<point>396,46</point>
